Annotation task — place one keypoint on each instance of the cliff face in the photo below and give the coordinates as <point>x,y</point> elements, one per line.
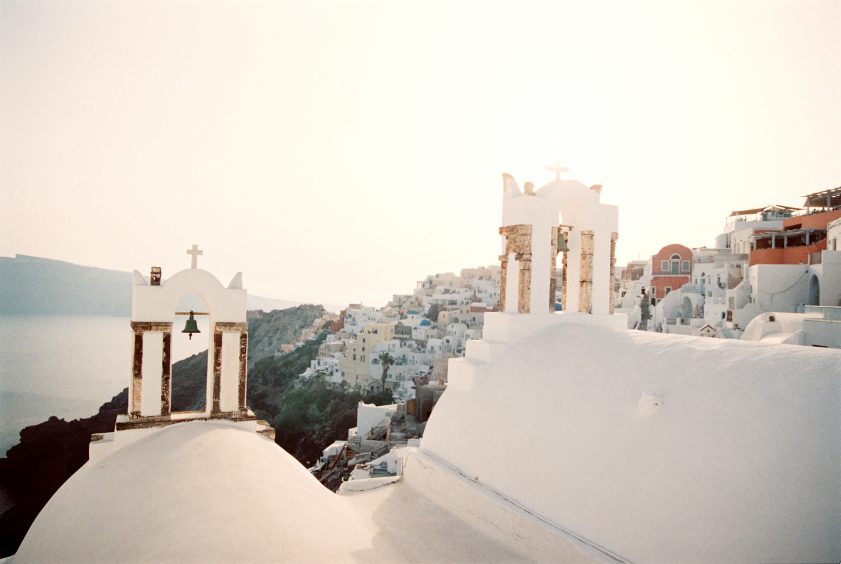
<point>50,452</point>
<point>47,455</point>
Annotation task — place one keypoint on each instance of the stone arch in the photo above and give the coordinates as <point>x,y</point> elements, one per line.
<point>203,341</point>
<point>814,296</point>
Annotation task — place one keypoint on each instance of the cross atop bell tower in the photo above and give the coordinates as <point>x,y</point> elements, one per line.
<point>194,256</point>
<point>557,169</point>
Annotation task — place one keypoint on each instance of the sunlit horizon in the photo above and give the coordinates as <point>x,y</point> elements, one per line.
<point>338,153</point>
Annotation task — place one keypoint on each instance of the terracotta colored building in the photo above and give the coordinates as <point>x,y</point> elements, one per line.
<point>671,268</point>
<point>802,237</point>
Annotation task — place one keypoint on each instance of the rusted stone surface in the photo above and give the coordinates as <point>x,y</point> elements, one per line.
<point>217,369</point>
<point>231,327</point>
<point>517,241</point>
<point>160,421</point>
<point>139,328</point>
<point>166,375</point>
<point>553,268</point>
<point>137,375</point>
<point>524,287</point>
<point>503,281</point>
<point>585,298</point>
<point>143,326</point>
<point>155,276</point>
<point>613,237</point>
<point>243,371</point>
<point>564,264</point>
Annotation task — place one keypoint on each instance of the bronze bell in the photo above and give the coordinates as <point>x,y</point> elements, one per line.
<point>191,327</point>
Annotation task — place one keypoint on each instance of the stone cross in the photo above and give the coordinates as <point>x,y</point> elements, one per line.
<point>558,169</point>
<point>194,252</point>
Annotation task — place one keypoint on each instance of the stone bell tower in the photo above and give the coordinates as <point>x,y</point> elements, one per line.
<point>153,310</point>
<point>565,217</point>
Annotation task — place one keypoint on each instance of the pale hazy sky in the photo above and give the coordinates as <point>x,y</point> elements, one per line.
<point>339,151</point>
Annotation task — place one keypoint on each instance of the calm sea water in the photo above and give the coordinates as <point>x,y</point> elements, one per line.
<point>65,366</point>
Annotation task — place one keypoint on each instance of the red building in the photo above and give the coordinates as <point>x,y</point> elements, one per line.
<point>802,237</point>
<point>671,268</point>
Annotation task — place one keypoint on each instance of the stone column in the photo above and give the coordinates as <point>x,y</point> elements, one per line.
<point>613,237</point>
<point>166,375</point>
<point>217,370</point>
<point>503,280</point>
<point>517,241</point>
<point>585,298</point>
<point>137,373</point>
<point>564,280</point>
<point>243,371</point>
<point>524,287</point>
<point>553,268</point>
<point>140,328</point>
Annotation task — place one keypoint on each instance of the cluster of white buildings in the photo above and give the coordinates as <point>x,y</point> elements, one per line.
<point>418,331</point>
<point>768,264</point>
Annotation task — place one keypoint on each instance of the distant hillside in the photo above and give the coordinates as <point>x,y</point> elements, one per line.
<point>43,286</point>
<point>33,285</point>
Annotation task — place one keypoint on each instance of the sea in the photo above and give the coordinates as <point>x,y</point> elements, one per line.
<point>67,366</point>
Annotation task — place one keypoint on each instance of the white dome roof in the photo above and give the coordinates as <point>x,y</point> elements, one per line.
<point>195,492</point>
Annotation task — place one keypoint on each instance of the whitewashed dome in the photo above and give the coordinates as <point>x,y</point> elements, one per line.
<point>195,492</point>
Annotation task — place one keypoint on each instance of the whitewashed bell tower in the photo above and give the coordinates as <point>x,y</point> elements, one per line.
<point>153,309</point>
<point>565,217</point>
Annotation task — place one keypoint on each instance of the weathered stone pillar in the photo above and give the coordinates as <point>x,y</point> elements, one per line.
<point>564,280</point>
<point>217,371</point>
<point>613,237</point>
<point>140,328</point>
<point>503,280</point>
<point>243,371</point>
<point>166,375</point>
<point>137,373</point>
<point>553,267</point>
<point>585,298</point>
<point>517,241</point>
<point>524,286</point>
<point>560,235</point>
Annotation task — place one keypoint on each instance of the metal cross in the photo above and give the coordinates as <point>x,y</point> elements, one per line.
<point>195,252</point>
<point>558,169</point>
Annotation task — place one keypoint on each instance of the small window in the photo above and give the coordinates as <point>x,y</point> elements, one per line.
<point>667,289</point>
<point>771,318</point>
<point>685,266</point>
<point>664,265</point>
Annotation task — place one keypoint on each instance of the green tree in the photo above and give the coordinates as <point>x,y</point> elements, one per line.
<point>386,360</point>
<point>432,312</point>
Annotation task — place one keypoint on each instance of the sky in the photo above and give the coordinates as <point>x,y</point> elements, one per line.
<point>340,151</point>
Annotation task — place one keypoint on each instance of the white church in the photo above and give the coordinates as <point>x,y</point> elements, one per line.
<point>599,443</point>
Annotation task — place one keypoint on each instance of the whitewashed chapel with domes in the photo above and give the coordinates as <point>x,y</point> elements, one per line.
<point>561,437</point>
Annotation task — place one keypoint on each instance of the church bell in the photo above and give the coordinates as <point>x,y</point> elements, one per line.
<point>191,327</point>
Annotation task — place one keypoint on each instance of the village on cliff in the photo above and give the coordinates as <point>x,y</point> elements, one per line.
<point>553,407</point>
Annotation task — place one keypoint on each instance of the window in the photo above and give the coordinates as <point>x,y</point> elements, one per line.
<point>664,265</point>
<point>685,266</point>
<point>667,289</point>
<point>675,260</point>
